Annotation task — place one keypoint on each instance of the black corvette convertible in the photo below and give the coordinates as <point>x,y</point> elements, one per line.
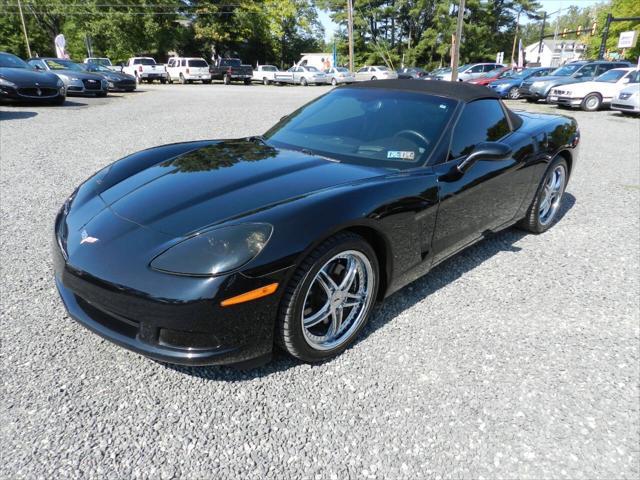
<point>212,252</point>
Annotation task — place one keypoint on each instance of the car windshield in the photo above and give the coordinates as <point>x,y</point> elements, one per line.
<point>566,70</point>
<point>59,64</point>
<point>612,76</point>
<point>230,62</point>
<point>198,63</point>
<point>635,77</point>
<point>523,74</point>
<point>92,67</point>
<point>144,61</point>
<point>11,61</point>
<point>374,127</point>
<point>100,61</point>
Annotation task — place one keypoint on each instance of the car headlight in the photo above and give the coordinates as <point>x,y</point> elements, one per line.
<point>537,85</point>
<point>7,83</point>
<point>216,251</point>
<point>59,83</point>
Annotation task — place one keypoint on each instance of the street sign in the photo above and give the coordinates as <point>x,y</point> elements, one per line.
<point>628,39</point>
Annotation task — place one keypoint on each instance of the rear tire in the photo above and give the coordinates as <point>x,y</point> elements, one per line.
<point>247,81</point>
<point>226,80</point>
<point>206,82</point>
<point>543,211</point>
<point>531,100</point>
<point>182,80</point>
<point>265,81</point>
<point>374,78</point>
<point>334,82</point>
<point>306,294</point>
<point>591,103</point>
<point>303,82</point>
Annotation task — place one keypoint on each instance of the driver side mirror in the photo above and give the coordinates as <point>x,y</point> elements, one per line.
<point>491,151</point>
<point>37,67</point>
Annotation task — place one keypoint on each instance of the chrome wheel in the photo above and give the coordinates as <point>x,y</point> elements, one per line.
<point>552,194</point>
<point>337,300</point>
<point>514,93</point>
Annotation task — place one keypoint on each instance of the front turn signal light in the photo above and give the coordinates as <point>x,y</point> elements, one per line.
<point>252,295</point>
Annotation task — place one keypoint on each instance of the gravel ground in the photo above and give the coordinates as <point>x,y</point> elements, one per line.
<point>517,358</point>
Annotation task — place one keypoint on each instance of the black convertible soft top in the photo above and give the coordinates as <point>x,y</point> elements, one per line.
<point>465,92</point>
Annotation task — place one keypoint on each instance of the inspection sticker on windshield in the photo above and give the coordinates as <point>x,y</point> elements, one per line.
<point>401,154</point>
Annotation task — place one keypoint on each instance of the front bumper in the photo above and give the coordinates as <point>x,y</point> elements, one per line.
<point>627,105</point>
<point>563,100</point>
<point>152,76</point>
<point>86,87</point>
<point>198,76</point>
<point>122,85</point>
<point>526,91</point>
<point>175,319</point>
<point>32,94</point>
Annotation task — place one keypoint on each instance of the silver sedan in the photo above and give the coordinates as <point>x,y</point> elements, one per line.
<point>337,75</point>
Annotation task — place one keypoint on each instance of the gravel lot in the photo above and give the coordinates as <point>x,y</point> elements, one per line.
<point>517,358</point>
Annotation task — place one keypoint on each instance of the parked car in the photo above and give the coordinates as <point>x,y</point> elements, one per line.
<point>103,62</point>
<point>145,69</point>
<point>76,80</point>
<point>486,78</point>
<point>509,87</point>
<point>231,70</point>
<point>627,100</point>
<point>470,70</point>
<point>215,251</point>
<point>534,89</point>
<point>188,70</point>
<point>18,81</point>
<point>117,81</point>
<point>375,72</point>
<point>302,76</point>
<point>337,75</point>
<point>265,74</point>
<point>411,73</point>
<point>591,96</point>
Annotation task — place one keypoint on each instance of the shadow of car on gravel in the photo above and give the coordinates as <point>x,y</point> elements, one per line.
<point>9,115</point>
<point>442,275</point>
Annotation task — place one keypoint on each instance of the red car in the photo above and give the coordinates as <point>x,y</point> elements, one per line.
<point>489,77</point>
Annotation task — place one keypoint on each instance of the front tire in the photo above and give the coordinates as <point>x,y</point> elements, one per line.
<point>544,209</point>
<point>591,103</point>
<point>514,93</point>
<point>334,82</point>
<point>329,299</point>
<point>265,81</point>
<point>303,82</point>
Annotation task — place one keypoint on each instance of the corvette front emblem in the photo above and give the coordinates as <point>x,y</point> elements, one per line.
<point>86,238</point>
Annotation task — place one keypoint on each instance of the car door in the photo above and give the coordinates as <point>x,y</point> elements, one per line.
<point>171,68</point>
<point>362,74</point>
<point>474,71</point>
<point>490,193</point>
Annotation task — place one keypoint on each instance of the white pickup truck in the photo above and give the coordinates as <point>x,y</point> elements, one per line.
<point>265,74</point>
<point>145,69</point>
<point>301,76</point>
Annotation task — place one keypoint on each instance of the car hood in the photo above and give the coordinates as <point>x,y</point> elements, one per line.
<point>27,77</point>
<point>221,181</point>
<point>76,74</point>
<point>556,79</point>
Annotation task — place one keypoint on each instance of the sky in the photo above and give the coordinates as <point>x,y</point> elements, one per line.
<point>547,5</point>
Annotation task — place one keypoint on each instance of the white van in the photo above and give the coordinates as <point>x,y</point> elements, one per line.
<point>322,61</point>
<point>188,70</point>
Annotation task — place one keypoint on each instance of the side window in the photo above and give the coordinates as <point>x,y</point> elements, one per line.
<point>488,68</point>
<point>137,61</point>
<point>363,69</point>
<point>586,71</point>
<point>604,68</point>
<point>171,62</point>
<point>476,69</point>
<point>480,121</point>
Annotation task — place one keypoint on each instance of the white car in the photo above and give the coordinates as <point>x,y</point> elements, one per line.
<point>628,99</point>
<point>145,69</point>
<point>593,95</point>
<point>375,72</point>
<point>302,76</point>
<point>188,70</point>
<point>265,74</point>
<point>470,70</point>
<point>336,75</point>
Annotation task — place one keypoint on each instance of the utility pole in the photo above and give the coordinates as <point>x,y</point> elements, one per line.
<point>350,32</point>
<point>515,37</point>
<point>544,24</point>
<point>456,45</point>
<point>605,36</point>
<point>24,29</point>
